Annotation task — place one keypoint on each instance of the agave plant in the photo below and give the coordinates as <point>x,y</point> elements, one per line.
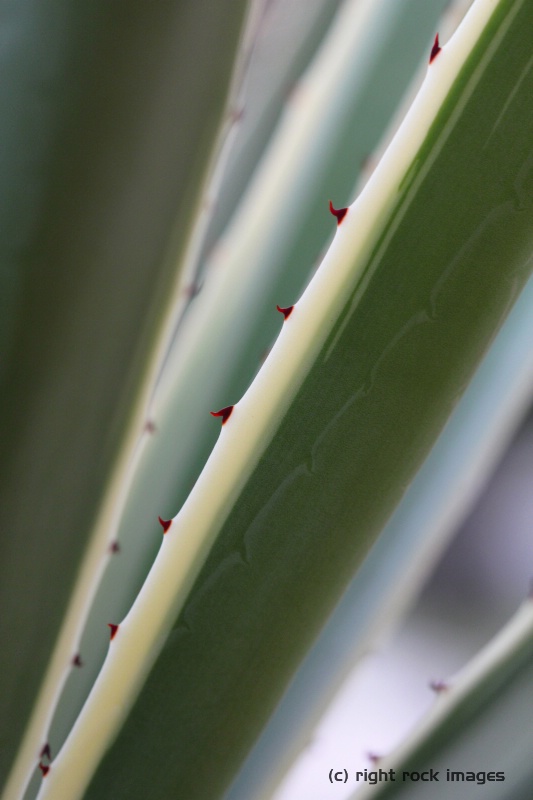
<point>167,575</point>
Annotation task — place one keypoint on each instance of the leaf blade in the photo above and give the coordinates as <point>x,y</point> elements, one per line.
<point>220,635</point>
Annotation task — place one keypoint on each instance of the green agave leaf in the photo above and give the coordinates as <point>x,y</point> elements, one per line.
<point>164,473</point>
<point>479,726</point>
<point>124,575</point>
<point>399,562</point>
<point>181,404</point>
<point>318,452</point>
<point>108,116</point>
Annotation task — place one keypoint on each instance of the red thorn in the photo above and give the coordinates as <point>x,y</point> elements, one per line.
<point>225,413</point>
<point>193,290</point>
<point>435,50</point>
<point>114,547</point>
<point>165,524</point>
<point>374,758</point>
<point>150,426</point>
<point>44,769</point>
<point>236,114</point>
<point>112,630</point>
<point>76,661</point>
<point>438,686</point>
<point>285,311</point>
<point>340,213</point>
<point>46,752</point>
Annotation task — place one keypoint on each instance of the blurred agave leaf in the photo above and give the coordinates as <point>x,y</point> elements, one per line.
<point>287,35</point>
<point>480,724</point>
<point>108,117</point>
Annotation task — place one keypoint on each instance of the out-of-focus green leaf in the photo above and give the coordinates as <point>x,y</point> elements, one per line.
<point>108,113</point>
<point>288,33</point>
<point>480,727</point>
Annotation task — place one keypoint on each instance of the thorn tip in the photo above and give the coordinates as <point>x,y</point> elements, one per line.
<point>112,630</point>
<point>76,661</point>
<point>45,769</point>
<point>435,50</point>
<point>165,524</point>
<point>225,413</point>
<point>285,311</point>
<point>193,290</point>
<point>340,213</point>
<point>46,752</point>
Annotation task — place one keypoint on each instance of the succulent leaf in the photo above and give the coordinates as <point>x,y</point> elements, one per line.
<point>456,270</point>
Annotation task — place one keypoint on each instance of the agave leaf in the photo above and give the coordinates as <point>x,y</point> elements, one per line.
<point>196,377</point>
<point>179,411</point>
<point>287,35</point>
<point>303,478</point>
<point>108,119</point>
<point>398,564</point>
<point>480,723</point>
<point>165,472</point>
